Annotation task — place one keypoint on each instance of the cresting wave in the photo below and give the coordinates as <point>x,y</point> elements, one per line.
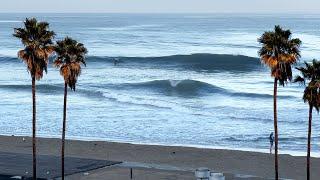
<point>184,88</point>
<point>193,61</point>
<point>178,87</point>
<point>225,62</point>
<point>193,87</point>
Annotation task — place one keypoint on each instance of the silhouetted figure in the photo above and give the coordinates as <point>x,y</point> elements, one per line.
<point>115,61</point>
<point>271,138</point>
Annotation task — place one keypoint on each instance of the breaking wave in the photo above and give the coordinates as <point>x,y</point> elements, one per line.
<point>193,61</point>
<point>166,87</point>
<point>221,62</point>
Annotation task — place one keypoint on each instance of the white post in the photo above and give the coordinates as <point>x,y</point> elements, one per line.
<point>216,176</point>
<point>202,173</point>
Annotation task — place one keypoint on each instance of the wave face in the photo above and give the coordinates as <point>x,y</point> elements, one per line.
<point>177,87</point>
<point>172,83</point>
<point>211,62</point>
<point>187,88</point>
<point>200,62</point>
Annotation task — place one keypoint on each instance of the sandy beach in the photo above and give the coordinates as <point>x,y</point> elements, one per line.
<point>164,161</point>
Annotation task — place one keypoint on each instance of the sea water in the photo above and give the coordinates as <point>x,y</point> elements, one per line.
<point>180,79</point>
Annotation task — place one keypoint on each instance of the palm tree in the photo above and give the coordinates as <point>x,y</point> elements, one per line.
<point>279,51</point>
<point>37,41</point>
<point>310,73</point>
<point>70,56</point>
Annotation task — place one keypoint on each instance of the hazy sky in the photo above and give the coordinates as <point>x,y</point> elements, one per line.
<point>158,6</point>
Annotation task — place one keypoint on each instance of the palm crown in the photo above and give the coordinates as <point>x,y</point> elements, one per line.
<point>70,56</point>
<point>279,51</point>
<point>311,73</point>
<point>37,40</point>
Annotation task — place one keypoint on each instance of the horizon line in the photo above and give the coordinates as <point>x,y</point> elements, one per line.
<point>262,13</point>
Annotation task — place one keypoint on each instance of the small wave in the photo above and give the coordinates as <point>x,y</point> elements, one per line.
<point>52,89</point>
<point>9,21</point>
<point>257,95</point>
<point>255,119</point>
<point>127,28</point>
<point>255,138</point>
<point>41,87</point>
<point>57,89</point>
<point>246,138</point>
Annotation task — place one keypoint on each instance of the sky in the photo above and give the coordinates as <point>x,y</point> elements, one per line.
<point>161,6</point>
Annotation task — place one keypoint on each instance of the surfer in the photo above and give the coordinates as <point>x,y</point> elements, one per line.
<point>115,61</point>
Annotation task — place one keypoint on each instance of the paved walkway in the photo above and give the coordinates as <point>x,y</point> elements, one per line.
<point>119,172</point>
<point>48,166</point>
<point>145,171</point>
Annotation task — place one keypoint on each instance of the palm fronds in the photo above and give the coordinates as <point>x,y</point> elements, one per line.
<point>279,51</point>
<point>310,75</point>
<point>37,40</point>
<point>71,55</point>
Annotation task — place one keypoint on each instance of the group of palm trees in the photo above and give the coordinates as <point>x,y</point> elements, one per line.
<point>280,51</point>
<point>38,47</point>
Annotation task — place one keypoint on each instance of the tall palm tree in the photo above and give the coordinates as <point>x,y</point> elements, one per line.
<point>37,41</point>
<point>311,95</point>
<point>279,51</point>
<point>70,56</point>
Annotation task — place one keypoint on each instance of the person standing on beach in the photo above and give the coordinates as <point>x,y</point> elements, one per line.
<point>271,138</point>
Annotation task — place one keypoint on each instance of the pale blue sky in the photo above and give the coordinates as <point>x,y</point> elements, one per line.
<point>162,6</point>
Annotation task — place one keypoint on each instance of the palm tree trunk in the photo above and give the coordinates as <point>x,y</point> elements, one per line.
<point>34,150</point>
<point>64,129</point>
<point>309,142</point>
<point>275,128</point>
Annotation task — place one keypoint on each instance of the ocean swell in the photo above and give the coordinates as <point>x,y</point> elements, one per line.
<point>218,62</point>
<point>198,62</point>
<point>184,88</point>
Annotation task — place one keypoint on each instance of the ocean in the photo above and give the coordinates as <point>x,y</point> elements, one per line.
<point>181,79</point>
